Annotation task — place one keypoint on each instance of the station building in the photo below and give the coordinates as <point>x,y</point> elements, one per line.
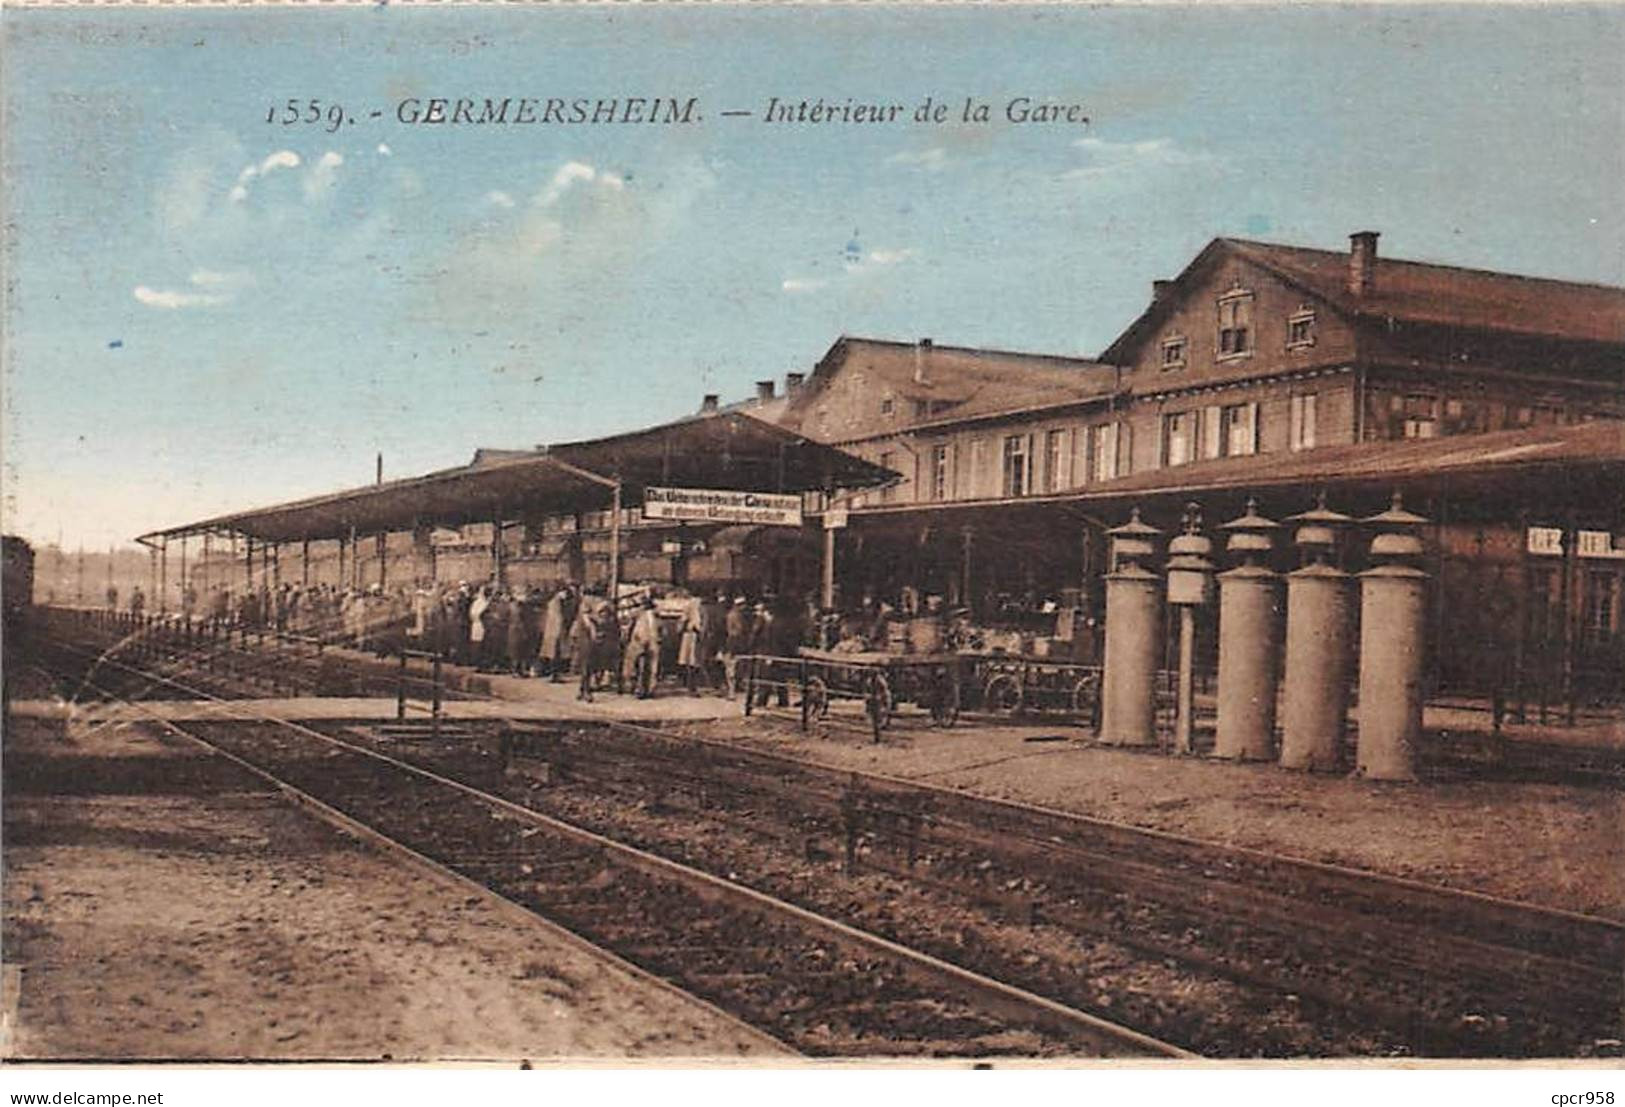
<point>1495,403</point>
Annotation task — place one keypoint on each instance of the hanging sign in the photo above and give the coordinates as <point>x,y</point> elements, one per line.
<point>1598,544</point>
<point>835,518</point>
<point>711,505</point>
<point>1546,541</point>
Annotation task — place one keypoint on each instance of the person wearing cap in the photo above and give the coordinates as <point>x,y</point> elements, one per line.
<point>558,623</point>
<point>739,627</point>
<point>584,635</point>
<point>690,642</point>
<point>643,642</point>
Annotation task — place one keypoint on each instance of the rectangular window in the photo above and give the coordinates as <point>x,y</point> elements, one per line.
<point>922,408</point>
<point>886,406</point>
<point>1300,330</point>
<point>1125,449</point>
<point>1017,472</point>
<point>1211,437</point>
<point>940,469</point>
<point>1240,422</point>
<point>888,460</point>
<point>1173,353</point>
<point>1421,428</point>
<point>1054,460</point>
<point>1235,324</point>
<point>1302,433</point>
<point>1179,438</point>
<point>1080,456</point>
<point>977,480</point>
<point>1601,598</point>
<point>1103,462</point>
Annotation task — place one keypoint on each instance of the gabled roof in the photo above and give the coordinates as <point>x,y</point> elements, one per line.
<point>1416,292</point>
<point>958,382</point>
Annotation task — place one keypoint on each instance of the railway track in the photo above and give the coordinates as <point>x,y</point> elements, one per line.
<point>1433,970</point>
<point>819,986</point>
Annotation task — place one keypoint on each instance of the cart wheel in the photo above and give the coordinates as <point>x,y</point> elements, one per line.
<point>1081,699</point>
<point>879,703</point>
<point>815,699</point>
<point>945,703</point>
<point>1003,695</point>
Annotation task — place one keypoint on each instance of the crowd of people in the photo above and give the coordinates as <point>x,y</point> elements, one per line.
<point>567,632</point>
<point>697,639</point>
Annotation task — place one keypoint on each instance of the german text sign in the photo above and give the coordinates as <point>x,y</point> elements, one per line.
<point>710,505</point>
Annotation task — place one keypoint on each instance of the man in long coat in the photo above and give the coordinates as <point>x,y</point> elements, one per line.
<point>557,623</point>
<point>643,642</point>
<point>584,634</point>
<point>691,643</point>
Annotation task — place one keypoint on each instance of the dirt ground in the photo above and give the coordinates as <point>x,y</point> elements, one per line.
<point>158,904</point>
<point>1557,845</point>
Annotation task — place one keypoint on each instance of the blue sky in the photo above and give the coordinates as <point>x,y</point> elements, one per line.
<point>207,312</point>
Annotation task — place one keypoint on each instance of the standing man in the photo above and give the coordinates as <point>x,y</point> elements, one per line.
<point>691,642</point>
<point>558,624</point>
<point>643,643</point>
<point>738,629</point>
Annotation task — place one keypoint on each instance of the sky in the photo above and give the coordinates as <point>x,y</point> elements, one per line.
<point>206,311</point>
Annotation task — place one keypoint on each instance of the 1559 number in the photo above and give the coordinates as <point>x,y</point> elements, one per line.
<point>309,112</point>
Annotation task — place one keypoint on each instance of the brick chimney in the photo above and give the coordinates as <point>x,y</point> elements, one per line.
<point>1362,262</point>
<point>793,382</point>
<point>922,351</point>
<point>1159,290</point>
<point>764,390</point>
<point>709,404</point>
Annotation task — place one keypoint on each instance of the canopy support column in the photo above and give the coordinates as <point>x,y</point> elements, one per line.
<point>826,590</point>
<point>163,576</point>
<point>967,539</point>
<point>615,544</point>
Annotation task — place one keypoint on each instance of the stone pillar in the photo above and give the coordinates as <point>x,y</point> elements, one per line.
<point>1319,662</point>
<point>1393,611</point>
<point>1249,642</point>
<point>1319,646</point>
<point>1133,638</point>
<point>1393,618</point>
<point>1133,646</point>
<point>1249,662</point>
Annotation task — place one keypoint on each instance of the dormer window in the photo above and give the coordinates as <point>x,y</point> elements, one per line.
<point>1236,324</point>
<point>1300,329</point>
<point>886,406</point>
<point>1173,352</point>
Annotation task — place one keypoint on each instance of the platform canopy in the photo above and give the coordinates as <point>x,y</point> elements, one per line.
<point>1554,467</point>
<point>724,450</point>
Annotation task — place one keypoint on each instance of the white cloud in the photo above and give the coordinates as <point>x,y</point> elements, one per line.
<point>383,148</point>
<point>281,159</point>
<point>803,284</point>
<point>1109,159</point>
<point>499,198</point>
<point>218,279</point>
<point>170,299</point>
<point>891,257</point>
<point>572,173</point>
<point>320,176</point>
<point>930,160</point>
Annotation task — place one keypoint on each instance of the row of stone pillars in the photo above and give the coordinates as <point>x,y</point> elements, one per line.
<point>1317,658</point>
